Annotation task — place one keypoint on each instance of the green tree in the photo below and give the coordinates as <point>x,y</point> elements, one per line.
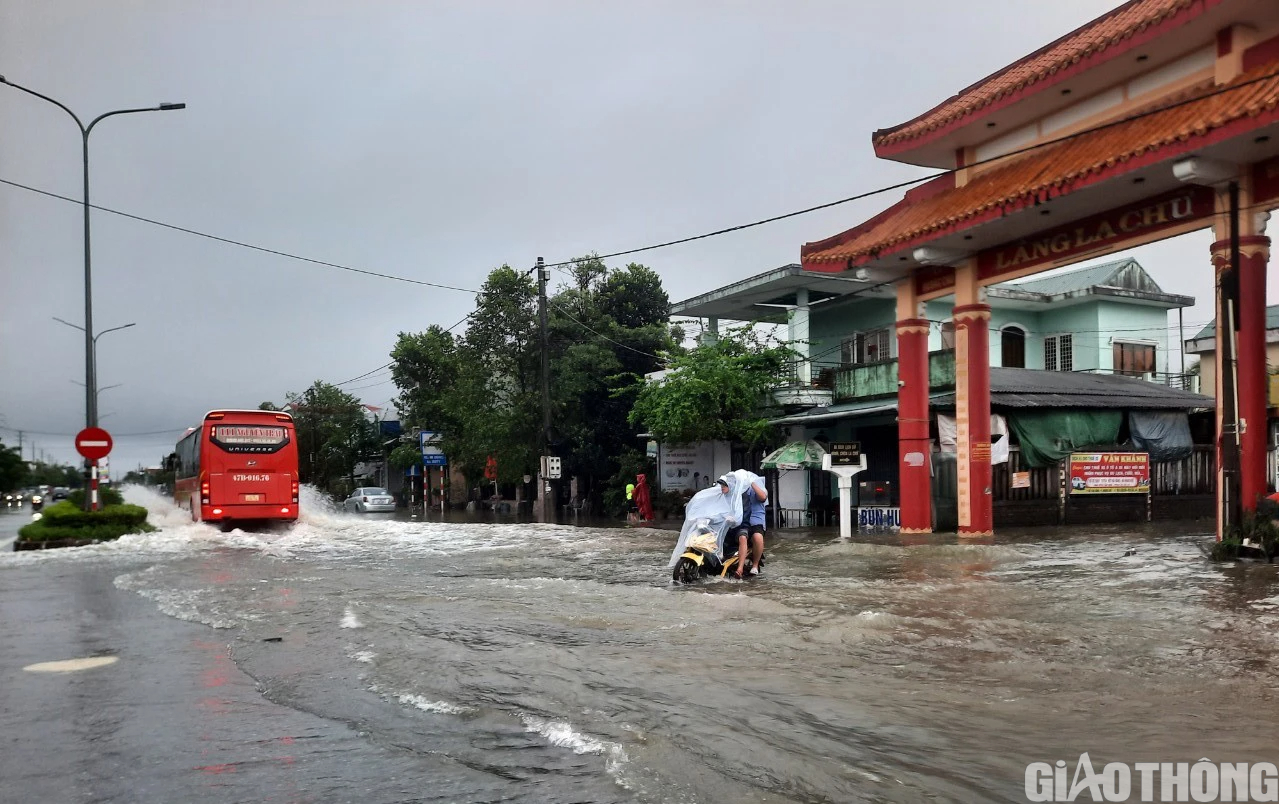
<point>606,334</point>
<point>482,391</point>
<point>13,470</point>
<point>715,392</point>
<point>333,434</point>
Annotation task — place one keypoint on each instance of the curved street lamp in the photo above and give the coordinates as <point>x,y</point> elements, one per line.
<point>90,368</point>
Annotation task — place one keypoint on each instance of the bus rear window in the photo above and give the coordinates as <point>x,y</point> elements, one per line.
<point>249,438</point>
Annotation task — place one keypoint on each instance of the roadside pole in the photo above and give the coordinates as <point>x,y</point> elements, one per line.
<point>545,491</point>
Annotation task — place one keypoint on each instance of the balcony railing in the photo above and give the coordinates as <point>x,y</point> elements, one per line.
<point>792,391</point>
<point>870,380</point>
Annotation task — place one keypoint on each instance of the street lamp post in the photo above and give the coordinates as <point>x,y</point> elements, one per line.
<point>90,377</point>
<point>90,367</point>
<point>93,358</point>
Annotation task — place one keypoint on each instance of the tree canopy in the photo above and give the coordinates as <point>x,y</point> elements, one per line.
<point>482,390</point>
<point>333,432</point>
<point>714,392</point>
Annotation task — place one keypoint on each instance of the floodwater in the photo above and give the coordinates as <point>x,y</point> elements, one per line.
<point>529,663</point>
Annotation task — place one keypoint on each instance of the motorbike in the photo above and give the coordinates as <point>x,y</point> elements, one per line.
<point>700,558</point>
<point>37,503</point>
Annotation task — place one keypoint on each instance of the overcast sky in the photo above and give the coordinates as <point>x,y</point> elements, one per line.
<point>431,140</point>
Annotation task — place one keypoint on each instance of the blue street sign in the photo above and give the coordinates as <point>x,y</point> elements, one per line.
<point>431,454</point>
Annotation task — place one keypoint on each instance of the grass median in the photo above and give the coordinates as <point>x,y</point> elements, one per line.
<point>66,525</point>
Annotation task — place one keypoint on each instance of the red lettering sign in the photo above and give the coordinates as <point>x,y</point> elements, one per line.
<point>1265,181</point>
<point>932,278</point>
<point>1108,230</point>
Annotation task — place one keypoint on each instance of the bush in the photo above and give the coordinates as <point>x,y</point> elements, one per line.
<point>65,521</point>
<point>669,503</point>
<point>106,496</point>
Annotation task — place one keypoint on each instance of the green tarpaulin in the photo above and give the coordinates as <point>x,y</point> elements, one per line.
<point>1047,436</point>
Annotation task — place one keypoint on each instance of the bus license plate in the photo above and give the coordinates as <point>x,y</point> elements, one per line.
<point>253,498</point>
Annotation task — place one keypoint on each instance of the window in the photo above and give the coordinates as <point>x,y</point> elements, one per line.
<point>866,347</point>
<point>1134,359</point>
<point>1059,353</point>
<point>1012,347</point>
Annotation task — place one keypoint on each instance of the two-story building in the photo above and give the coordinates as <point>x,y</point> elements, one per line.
<point>1088,340</point>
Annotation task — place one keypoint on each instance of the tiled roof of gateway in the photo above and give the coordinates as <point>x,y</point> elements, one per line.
<point>1113,28</point>
<point>1054,170</point>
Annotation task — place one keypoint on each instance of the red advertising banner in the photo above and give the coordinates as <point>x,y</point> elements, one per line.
<point>1109,473</point>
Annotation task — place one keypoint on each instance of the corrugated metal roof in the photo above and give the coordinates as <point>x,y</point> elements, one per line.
<point>1110,274</point>
<point>1272,322</point>
<point>1032,388</point>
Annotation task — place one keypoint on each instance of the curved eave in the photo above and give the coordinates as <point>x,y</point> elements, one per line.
<point>951,115</point>
<point>828,256</point>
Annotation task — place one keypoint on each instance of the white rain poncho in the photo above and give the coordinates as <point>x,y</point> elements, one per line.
<point>711,508</point>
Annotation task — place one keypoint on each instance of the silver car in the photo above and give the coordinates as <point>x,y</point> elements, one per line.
<point>370,500</point>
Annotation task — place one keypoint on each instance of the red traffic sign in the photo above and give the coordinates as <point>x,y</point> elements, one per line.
<point>93,443</point>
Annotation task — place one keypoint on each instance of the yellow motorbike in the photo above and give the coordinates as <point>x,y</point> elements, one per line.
<point>700,558</point>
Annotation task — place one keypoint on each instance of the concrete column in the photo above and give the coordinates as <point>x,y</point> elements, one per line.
<point>1250,333</point>
<point>913,449</point>
<point>712,332</point>
<point>799,337</point>
<point>972,404</point>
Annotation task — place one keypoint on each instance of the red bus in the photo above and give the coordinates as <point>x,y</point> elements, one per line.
<point>239,465</point>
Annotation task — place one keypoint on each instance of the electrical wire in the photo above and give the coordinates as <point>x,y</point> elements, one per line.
<point>232,242</point>
<point>1195,98</point>
<point>566,314</point>
<point>679,241</point>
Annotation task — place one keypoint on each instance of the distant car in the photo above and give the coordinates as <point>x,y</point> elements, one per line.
<point>59,493</point>
<point>370,500</point>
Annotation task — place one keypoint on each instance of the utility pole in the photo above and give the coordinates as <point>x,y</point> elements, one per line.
<point>545,493</point>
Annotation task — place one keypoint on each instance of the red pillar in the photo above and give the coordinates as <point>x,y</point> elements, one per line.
<point>972,418</point>
<point>1254,254</point>
<point>913,448</point>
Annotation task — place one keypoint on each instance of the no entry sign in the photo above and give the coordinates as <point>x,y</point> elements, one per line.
<point>93,443</point>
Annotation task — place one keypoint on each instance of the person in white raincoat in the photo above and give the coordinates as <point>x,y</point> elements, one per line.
<point>720,507</point>
<point>750,530</point>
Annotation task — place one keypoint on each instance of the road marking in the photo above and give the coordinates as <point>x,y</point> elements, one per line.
<point>71,665</point>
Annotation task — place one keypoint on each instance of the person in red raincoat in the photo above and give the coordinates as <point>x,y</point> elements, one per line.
<point>643,500</point>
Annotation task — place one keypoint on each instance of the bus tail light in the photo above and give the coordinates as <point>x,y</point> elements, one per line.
<point>295,492</point>
<point>284,510</point>
<point>204,492</point>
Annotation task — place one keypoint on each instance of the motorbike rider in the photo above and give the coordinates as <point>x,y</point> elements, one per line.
<point>718,507</point>
<point>754,502</point>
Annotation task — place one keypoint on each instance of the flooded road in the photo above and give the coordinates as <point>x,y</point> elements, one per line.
<point>525,662</point>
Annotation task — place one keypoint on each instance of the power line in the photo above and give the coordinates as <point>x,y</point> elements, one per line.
<point>240,243</point>
<point>113,435</point>
<point>1016,152</point>
<point>565,312</point>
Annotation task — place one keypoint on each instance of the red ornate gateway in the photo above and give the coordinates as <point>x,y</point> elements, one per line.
<point>1154,120</point>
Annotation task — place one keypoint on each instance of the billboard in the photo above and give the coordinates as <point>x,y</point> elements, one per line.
<point>1109,473</point>
<point>686,467</point>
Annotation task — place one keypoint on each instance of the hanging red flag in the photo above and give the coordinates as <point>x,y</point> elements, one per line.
<point>490,469</point>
